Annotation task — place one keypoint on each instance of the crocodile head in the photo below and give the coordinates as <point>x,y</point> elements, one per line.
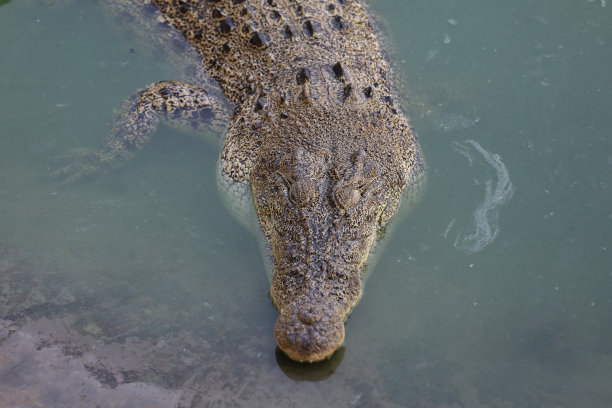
<point>321,211</point>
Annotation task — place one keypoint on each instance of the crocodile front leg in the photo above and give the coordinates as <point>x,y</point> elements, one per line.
<point>179,103</point>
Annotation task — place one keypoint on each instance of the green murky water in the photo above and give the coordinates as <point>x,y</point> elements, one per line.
<point>137,288</point>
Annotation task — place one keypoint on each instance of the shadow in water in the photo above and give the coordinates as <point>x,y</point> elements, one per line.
<point>309,371</point>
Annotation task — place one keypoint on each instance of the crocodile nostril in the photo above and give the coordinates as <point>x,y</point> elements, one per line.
<point>309,315</point>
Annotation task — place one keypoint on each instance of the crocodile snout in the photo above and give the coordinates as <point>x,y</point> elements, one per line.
<point>309,332</point>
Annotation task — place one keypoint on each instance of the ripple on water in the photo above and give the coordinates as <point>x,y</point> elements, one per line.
<point>485,226</point>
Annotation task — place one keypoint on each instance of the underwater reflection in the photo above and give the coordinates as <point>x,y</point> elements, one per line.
<point>309,371</point>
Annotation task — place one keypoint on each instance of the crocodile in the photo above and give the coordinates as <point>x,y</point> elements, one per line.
<point>317,153</point>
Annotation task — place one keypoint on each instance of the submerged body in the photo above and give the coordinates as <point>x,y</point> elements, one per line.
<point>316,150</point>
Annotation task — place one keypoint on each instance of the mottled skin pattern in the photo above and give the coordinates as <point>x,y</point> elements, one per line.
<point>315,142</point>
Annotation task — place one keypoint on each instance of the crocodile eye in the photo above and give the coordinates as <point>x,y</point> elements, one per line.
<point>347,196</point>
<point>302,193</point>
<point>357,179</point>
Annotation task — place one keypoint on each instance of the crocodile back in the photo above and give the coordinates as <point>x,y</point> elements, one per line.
<point>250,46</point>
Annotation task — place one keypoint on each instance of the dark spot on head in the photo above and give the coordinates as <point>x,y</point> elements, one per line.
<point>337,23</point>
<point>275,15</point>
<point>284,115</point>
<point>388,100</point>
<point>238,1</point>
<point>338,71</point>
<point>302,76</point>
<point>272,3</point>
<point>288,32</point>
<point>244,12</point>
<point>250,89</point>
<point>394,111</point>
<point>368,92</point>
<point>259,40</point>
<point>331,7</point>
<point>347,91</point>
<point>227,47</point>
<point>308,28</point>
<point>226,25</point>
<point>299,10</point>
<point>256,40</point>
<point>260,104</point>
<point>216,14</point>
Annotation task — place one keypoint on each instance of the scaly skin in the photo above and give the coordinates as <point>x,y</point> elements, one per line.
<point>315,142</point>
